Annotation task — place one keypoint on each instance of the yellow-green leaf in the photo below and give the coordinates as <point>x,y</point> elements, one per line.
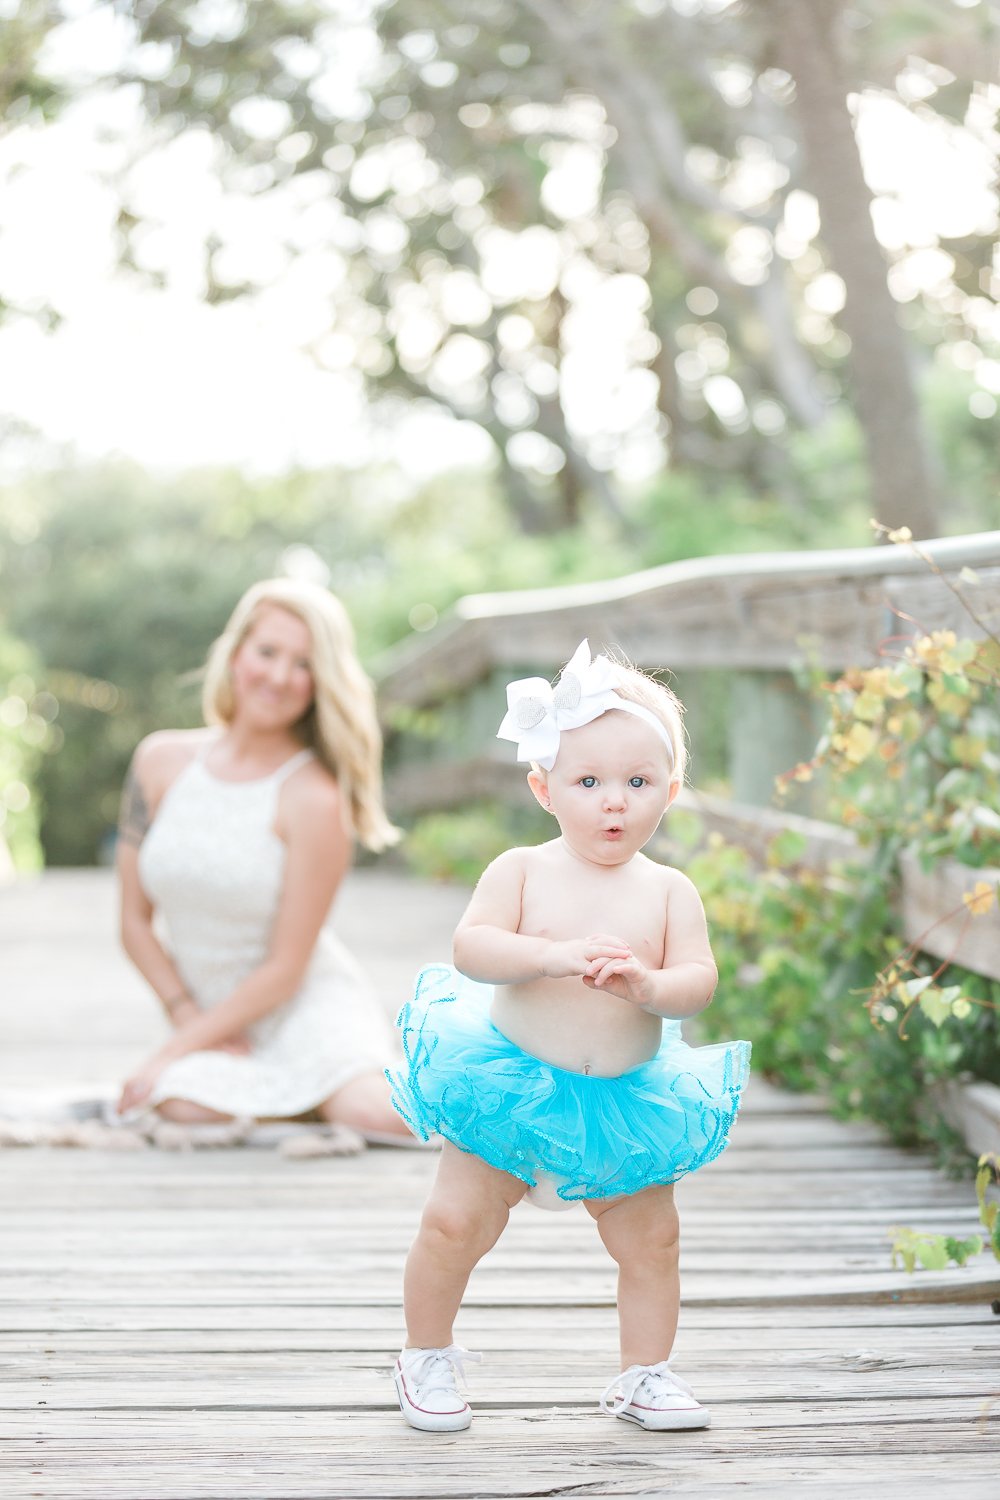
<point>860,742</point>
<point>980,899</point>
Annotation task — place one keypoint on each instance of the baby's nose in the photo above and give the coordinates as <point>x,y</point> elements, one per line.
<point>614,796</point>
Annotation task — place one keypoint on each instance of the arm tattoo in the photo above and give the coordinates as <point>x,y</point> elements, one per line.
<point>133,817</point>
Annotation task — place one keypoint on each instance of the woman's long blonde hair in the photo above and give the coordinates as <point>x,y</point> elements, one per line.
<point>341,724</point>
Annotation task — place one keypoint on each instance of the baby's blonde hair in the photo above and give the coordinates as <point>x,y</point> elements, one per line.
<point>341,724</point>
<point>639,687</point>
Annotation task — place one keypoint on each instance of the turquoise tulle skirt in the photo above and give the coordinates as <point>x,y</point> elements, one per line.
<point>596,1137</point>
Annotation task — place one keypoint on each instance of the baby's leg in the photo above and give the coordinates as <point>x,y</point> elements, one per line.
<point>464,1217</point>
<point>641,1233</point>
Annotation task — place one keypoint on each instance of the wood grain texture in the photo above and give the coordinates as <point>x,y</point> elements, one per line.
<point>219,1325</point>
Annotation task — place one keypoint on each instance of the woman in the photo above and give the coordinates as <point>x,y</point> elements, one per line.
<point>237,836</point>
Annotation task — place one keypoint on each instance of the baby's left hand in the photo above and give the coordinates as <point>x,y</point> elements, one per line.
<point>626,978</point>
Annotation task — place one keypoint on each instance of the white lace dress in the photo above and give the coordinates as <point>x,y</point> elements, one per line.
<point>213,867</point>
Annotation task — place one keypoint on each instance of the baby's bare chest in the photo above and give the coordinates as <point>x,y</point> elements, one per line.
<point>634,911</point>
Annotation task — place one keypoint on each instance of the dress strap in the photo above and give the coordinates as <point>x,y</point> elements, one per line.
<point>283,772</point>
<point>201,754</point>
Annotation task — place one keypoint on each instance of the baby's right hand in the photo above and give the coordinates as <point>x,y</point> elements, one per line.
<point>578,957</point>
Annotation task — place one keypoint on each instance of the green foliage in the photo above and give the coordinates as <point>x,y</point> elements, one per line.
<point>459,130</point>
<point>791,944</point>
<point>813,969</point>
<point>987,1174</point>
<point>120,583</point>
<point>935,1251</point>
<point>911,749</point>
<point>459,845</point>
<point>26,734</point>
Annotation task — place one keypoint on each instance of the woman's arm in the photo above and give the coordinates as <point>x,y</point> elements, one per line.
<point>489,948</point>
<point>147,778</point>
<point>318,856</point>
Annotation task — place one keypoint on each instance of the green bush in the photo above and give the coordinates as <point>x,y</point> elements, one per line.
<point>813,968</point>
<point>27,732</point>
<point>459,845</point>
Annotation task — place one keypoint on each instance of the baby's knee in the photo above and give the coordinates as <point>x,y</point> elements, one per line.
<point>658,1249</point>
<point>640,1237</point>
<point>665,1242</point>
<point>457,1224</point>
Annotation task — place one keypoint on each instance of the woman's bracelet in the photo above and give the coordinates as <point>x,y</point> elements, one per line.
<point>171,1003</point>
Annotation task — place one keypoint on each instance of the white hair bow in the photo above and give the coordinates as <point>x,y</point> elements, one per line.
<point>537,713</point>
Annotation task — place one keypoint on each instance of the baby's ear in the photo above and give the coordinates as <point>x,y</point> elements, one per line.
<point>539,784</point>
<point>674,788</point>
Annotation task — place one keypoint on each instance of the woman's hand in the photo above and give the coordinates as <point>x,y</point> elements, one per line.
<point>237,1046</point>
<point>138,1088</point>
<point>189,1010</point>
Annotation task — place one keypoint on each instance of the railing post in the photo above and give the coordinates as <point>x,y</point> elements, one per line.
<point>772,725</point>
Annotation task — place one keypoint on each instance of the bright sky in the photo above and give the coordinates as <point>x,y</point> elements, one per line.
<point>157,375</point>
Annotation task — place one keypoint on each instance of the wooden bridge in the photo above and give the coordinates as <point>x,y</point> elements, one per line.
<point>219,1325</point>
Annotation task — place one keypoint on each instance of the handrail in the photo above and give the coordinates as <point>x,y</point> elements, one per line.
<point>759,611</point>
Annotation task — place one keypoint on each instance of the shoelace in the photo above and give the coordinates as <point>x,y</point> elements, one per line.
<point>437,1369</point>
<point>630,1381</point>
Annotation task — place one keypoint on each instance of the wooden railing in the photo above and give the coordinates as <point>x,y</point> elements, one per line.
<point>761,619</point>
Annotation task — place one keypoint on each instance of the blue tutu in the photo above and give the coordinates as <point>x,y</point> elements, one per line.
<point>597,1137</point>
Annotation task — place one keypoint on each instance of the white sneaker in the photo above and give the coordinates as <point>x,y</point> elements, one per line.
<point>654,1397</point>
<point>426,1386</point>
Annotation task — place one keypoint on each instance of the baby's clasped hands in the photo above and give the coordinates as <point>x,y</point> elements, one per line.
<point>577,958</point>
<point>618,972</point>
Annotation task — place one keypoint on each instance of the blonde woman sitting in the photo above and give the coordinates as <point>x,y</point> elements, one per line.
<point>237,836</point>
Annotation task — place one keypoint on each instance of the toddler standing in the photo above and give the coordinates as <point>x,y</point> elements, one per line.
<point>550,1058</point>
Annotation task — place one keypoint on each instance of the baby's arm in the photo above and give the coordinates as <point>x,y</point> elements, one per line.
<point>489,948</point>
<point>686,982</point>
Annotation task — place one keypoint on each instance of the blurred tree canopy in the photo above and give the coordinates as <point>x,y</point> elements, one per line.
<point>474,192</point>
<point>113,585</point>
<point>623,238</point>
<point>119,584</point>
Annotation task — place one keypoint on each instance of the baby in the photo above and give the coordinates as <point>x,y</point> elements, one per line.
<point>550,1059</point>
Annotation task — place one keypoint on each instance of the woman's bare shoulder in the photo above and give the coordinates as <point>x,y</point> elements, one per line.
<point>163,755</point>
<point>311,789</point>
<point>157,762</point>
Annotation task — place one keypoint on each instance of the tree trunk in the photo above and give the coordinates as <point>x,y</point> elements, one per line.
<point>807,38</point>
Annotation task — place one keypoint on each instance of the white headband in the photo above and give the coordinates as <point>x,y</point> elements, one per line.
<point>537,713</point>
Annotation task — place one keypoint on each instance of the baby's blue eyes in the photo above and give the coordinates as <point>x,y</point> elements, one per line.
<point>634,781</point>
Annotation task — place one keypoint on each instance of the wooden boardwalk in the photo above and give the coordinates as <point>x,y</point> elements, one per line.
<point>220,1324</point>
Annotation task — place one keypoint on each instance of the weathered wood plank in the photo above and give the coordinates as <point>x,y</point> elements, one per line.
<point>220,1326</point>
<point>936,919</point>
<point>558,1452</point>
<point>758,611</point>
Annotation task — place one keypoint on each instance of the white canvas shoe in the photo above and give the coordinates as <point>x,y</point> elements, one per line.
<point>426,1384</point>
<point>654,1397</point>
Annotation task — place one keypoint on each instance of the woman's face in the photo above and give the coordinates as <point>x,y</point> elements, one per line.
<point>271,670</point>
